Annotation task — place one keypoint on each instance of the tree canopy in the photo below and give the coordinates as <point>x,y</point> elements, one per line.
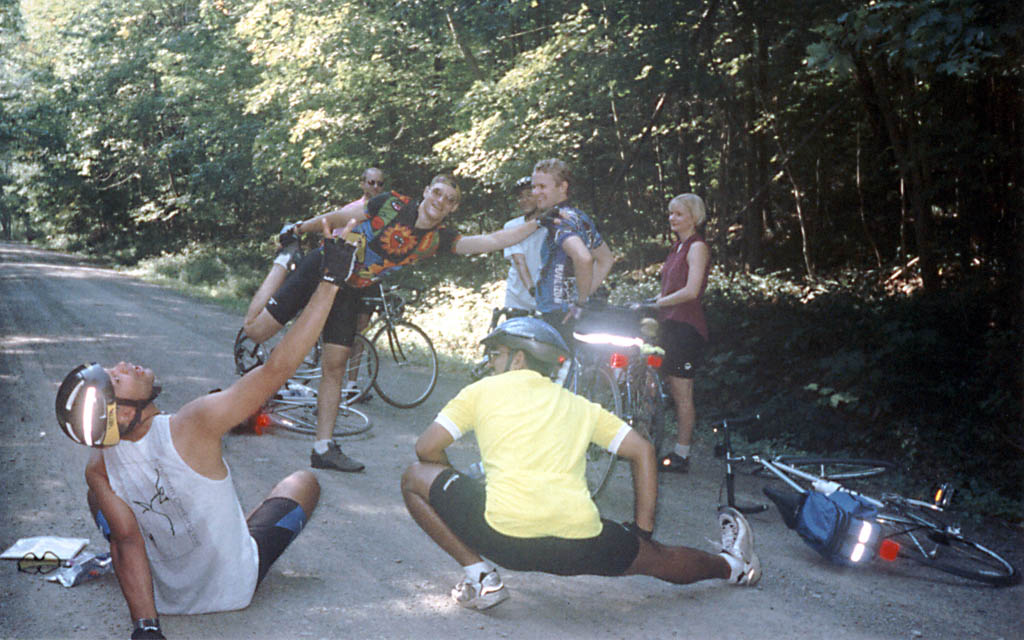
<point>840,134</point>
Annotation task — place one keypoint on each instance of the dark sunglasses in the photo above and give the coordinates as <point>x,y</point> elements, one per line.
<point>375,183</point>
<point>30,563</point>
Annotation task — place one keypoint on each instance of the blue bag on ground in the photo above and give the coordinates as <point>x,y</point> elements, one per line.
<point>825,522</point>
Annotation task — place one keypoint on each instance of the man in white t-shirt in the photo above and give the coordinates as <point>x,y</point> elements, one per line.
<point>520,288</point>
<point>163,496</point>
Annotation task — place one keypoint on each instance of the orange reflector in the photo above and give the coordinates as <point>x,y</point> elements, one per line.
<point>888,550</point>
<point>261,423</point>
<point>618,361</point>
<point>654,361</point>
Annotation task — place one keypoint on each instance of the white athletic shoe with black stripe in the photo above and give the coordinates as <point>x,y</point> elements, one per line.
<point>482,594</point>
<point>738,547</point>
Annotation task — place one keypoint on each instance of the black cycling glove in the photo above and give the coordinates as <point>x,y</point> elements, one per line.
<point>548,218</point>
<point>338,261</point>
<point>289,234</point>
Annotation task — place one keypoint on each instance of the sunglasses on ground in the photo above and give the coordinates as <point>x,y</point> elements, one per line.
<point>31,563</point>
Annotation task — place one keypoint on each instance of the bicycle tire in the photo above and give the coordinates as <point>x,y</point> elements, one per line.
<point>248,355</point>
<point>407,364</point>
<point>837,469</point>
<point>300,417</point>
<point>943,548</point>
<point>648,409</point>
<point>597,384</point>
<point>362,367</point>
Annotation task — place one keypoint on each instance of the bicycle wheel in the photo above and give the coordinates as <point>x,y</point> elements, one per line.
<point>298,414</point>
<point>362,368</point>
<point>407,364</point>
<point>598,385</point>
<point>943,548</point>
<point>837,469</point>
<point>648,409</point>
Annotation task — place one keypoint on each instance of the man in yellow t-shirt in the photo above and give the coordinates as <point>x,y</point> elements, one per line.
<point>535,513</point>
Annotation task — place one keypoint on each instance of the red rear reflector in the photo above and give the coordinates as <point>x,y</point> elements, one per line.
<point>888,550</point>
<point>261,423</point>
<point>654,361</point>
<point>618,361</point>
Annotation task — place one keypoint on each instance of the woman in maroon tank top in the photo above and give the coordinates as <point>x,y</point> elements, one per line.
<point>682,328</point>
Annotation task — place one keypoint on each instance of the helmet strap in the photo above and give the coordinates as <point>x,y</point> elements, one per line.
<point>138,405</point>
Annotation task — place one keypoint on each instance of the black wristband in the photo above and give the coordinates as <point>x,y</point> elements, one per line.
<point>635,529</point>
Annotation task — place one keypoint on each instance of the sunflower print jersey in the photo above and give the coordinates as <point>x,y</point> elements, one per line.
<point>389,239</point>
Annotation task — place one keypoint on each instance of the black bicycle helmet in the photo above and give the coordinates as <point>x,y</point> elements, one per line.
<point>532,335</point>
<point>526,182</point>
<point>87,407</point>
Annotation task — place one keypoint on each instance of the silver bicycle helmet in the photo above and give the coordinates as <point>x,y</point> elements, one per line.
<point>87,407</point>
<point>532,335</point>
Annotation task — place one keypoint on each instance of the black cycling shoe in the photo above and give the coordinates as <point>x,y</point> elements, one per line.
<point>334,459</point>
<point>675,463</point>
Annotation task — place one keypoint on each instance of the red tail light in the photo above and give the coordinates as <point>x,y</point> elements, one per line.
<point>654,360</point>
<point>618,361</point>
<point>888,550</point>
<point>261,423</point>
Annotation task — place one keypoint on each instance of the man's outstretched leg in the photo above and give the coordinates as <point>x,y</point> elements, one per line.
<point>736,562</point>
<point>482,587</point>
<point>282,515</point>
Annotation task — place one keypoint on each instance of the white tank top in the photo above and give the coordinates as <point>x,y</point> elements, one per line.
<point>200,552</point>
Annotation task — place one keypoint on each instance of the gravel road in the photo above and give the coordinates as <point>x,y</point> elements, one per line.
<point>362,568</point>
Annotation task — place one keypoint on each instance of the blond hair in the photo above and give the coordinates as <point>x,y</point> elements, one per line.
<point>555,168</point>
<point>693,204</point>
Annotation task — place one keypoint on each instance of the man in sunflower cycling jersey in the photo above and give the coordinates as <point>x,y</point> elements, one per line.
<point>393,231</point>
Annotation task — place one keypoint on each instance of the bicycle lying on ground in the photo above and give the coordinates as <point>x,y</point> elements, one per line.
<point>889,527</point>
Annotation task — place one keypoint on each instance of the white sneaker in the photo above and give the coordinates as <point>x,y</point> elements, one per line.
<point>738,547</point>
<point>481,595</point>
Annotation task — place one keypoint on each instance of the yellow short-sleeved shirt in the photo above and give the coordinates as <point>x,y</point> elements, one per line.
<point>533,435</point>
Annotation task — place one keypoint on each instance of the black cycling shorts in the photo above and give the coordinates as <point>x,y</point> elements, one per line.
<point>298,288</point>
<point>459,500</point>
<point>684,348</point>
<point>273,526</point>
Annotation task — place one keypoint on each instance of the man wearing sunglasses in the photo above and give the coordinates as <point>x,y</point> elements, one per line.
<point>393,231</point>
<point>163,496</point>
<point>535,512</point>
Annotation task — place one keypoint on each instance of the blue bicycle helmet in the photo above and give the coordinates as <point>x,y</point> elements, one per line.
<point>532,335</point>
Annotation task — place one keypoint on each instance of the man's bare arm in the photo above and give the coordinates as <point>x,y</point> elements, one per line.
<point>582,263</point>
<point>485,243</point>
<point>603,261</point>
<point>431,445</point>
<point>215,414</point>
<point>127,546</point>
<point>336,219</point>
<point>640,453</point>
<point>519,260</point>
